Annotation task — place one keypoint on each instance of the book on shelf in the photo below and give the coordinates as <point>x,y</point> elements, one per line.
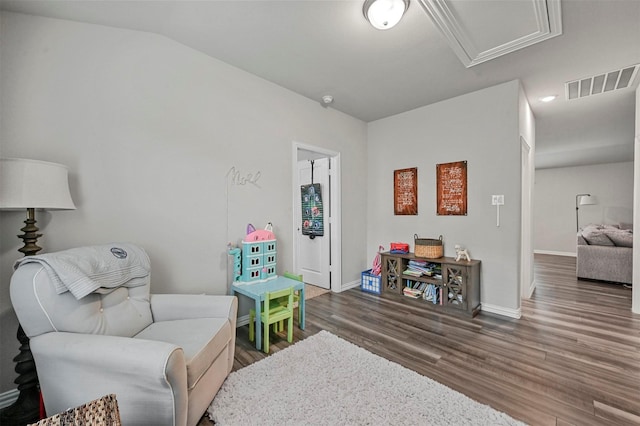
<point>417,268</point>
<point>432,293</point>
<point>412,272</point>
<point>410,292</point>
<point>412,289</point>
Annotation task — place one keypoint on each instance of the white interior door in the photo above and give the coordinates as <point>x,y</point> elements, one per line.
<point>314,255</point>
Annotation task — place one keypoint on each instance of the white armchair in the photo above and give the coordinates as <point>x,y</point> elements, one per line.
<point>163,356</point>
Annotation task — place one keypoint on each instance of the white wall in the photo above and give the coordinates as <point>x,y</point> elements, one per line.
<point>482,128</point>
<point>635,306</point>
<point>150,129</point>
<point>555,205</point>
<point>527,156</point>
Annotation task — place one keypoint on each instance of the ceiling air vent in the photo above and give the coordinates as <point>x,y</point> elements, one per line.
<point>601,83</point>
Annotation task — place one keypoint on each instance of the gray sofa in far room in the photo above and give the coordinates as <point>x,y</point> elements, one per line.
<point>605,252</point>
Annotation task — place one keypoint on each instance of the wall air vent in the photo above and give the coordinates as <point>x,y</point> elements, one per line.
<point>602,83</point>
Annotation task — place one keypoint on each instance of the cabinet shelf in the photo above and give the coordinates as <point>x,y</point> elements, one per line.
<point>423,279</point>
<point>456,291</point>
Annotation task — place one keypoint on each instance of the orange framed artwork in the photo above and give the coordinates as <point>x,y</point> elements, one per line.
<point>451,181</point>
<point>405,191</point>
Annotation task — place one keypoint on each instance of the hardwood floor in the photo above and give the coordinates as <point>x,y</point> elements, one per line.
<point>572,359</point>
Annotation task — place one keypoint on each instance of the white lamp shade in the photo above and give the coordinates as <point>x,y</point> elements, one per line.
<point>587,200</point>
<point>384,14</point>
<point>34,184</point>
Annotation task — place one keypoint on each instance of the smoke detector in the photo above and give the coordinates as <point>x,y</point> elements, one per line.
<point>602,83</point>
<point>326,100</point>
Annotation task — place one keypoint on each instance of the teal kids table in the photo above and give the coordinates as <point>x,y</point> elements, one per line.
<point>257,292</point>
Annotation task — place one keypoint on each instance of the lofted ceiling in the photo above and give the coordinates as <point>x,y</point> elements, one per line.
<point>439,50</point>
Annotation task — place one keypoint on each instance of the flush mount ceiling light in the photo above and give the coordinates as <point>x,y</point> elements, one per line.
<point>548,98</point>
<point>384,14</point>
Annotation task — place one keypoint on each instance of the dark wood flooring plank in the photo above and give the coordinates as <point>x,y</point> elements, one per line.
<point>572,359</point>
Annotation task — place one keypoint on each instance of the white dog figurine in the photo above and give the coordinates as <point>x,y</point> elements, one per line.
<point>462,253</point>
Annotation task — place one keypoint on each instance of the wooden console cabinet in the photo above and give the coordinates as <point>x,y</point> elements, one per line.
<point>457,284</point>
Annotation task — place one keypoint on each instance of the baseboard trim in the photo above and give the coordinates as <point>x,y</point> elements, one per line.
<point>9,397</point>
<point>531,289</point>
<point>350,285</point>
<point>555,253</point>
<point>243,320</point>
<point>511,313</point>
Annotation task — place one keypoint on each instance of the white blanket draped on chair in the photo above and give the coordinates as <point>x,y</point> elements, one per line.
<point>98,269</point>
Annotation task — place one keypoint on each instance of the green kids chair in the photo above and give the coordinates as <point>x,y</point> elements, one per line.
<point>278,306</point>
<point>296,294</point>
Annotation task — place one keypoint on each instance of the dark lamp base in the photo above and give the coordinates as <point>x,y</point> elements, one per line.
<point>25,410</point>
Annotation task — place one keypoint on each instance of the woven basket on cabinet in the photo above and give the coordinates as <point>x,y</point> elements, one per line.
<point>429,248</point>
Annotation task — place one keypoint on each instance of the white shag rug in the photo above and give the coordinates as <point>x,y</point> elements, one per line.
<point>325,380</point>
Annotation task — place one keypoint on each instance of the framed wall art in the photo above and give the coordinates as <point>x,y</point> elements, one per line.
<point>405,191</point>
<point>451,191</point>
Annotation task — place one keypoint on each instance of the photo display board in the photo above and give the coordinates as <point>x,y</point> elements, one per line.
<point>312,210</point>
<point>451,181</point>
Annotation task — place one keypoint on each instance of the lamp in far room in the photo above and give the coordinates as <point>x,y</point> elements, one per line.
<point>384,14</point>
<point>583,200</point>
<point>30,185</point>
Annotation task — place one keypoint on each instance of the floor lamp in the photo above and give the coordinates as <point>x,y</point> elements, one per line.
<point>30,185</point>
<point>583,200</point>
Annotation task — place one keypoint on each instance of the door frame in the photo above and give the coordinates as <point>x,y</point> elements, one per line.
<point>335,221</point>
<point>527,282</point>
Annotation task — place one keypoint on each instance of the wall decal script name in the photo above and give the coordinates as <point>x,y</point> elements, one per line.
<point>237,178</point>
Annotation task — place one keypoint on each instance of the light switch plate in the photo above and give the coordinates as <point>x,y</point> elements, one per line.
<point>497,200</point>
